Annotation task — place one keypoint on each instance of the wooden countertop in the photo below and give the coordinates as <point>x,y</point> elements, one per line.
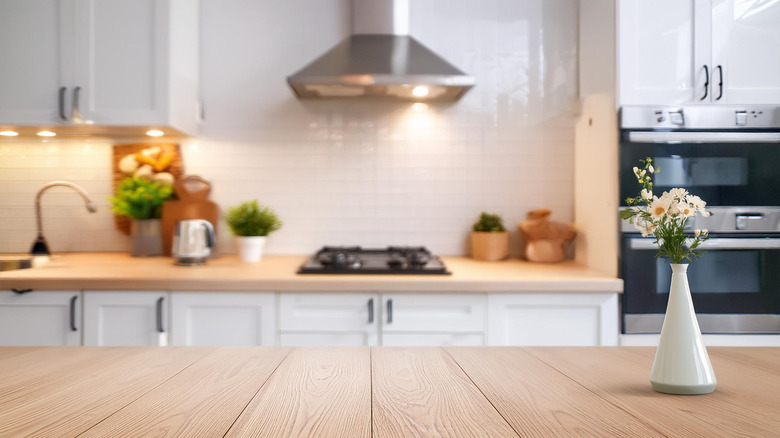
<point>378,391</point>
<point>119,271</point>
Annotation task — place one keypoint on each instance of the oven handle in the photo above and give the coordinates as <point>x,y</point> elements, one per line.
<point>717,243</point>
<point>702,137</point>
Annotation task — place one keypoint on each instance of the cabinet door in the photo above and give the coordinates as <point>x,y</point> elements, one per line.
<point>661,52</point>
<point>40,318</point>
<point>125,318</point>
<point>34,57</point>
<point>120,61</point>
<point>329,319</point>
<point>746,46</point>
<point>434,313</point>
<point>222,318</point>
<point>553,319</point>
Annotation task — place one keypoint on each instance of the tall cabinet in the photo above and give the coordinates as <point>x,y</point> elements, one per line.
<point>104,62</point>
<point>698,52</point>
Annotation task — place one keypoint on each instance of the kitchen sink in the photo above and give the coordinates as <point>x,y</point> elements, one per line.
<point>9,263</point>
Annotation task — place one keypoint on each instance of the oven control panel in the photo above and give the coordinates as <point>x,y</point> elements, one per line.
<point>700,117</point>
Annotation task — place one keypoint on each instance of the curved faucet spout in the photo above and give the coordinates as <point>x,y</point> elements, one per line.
<point>40,246</point>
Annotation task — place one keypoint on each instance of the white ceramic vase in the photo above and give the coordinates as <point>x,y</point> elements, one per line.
<point>681,365</point>
<point>250,248</point>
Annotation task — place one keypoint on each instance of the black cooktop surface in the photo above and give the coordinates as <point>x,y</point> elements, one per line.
<point>390,260</point>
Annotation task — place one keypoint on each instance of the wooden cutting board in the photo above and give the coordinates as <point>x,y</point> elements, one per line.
<point>193,193</point>
<point>120,151</point>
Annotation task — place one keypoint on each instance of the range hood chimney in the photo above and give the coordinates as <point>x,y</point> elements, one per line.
<point>380,59</point>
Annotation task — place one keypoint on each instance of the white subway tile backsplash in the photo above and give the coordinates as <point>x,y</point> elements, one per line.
<point>362,173</point>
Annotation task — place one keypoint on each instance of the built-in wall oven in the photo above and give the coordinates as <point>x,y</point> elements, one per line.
<point>730,157</point>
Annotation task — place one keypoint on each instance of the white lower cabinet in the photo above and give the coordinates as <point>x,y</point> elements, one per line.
<point>433,319</point>
<point>325,319</point>
<point>553,319</point>
<point>223,318</point>
<point>40,318</point>
<point>125,318</point>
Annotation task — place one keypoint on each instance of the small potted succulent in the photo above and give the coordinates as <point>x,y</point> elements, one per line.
<point>489,238</point>
<point>141,199</point>
<point>251,223</point>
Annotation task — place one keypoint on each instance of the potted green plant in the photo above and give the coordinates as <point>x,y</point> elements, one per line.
<point>489,238</point>
<point>251,223</point>
<point>141,199</point>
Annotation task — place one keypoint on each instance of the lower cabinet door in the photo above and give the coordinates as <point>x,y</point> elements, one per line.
<point>433,339</point>
<point>223,318</point>
<point>553,319</point>
<point>40,318</point>
<point>125,318</point>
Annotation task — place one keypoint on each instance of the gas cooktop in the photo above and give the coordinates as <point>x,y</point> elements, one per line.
<point>391,260</point>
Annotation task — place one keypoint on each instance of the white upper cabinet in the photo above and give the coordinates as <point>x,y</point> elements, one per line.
<point>746,50</point>
<point>31,56</point>
<point>656,51</point>
<point>103,62</point>
<point>698,51</point>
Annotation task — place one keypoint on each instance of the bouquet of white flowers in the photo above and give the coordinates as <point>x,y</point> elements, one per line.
<point>664,218</point>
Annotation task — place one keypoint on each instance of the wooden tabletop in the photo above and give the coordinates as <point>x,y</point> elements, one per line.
<point>376,392</point>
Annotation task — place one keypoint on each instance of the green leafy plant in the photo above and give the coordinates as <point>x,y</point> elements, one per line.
<point>250,219</point>
<point>489,222</point>
<point>664,218</point>
<point>140,198</point>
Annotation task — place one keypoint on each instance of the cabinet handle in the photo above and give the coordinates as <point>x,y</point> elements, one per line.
<point>76,104</point>
<point>73,327</point>
<point>21,291</point>
<point>371,311</point>
<point>63,90</point>
<point>160,327</point>
<point>720,84</point>
<point>706,82</point>
<point>390,311</point>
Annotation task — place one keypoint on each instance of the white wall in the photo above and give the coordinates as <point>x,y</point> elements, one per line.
<point>347,173</point>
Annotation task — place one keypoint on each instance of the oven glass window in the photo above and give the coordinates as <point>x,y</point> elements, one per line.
<point>706,275</point>
<point>723,174</point>
<point>677,171</point>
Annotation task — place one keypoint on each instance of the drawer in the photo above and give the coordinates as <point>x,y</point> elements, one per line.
<point>434,312</point>
<point>328,312</point>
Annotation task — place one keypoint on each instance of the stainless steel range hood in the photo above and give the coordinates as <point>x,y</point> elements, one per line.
<point>380,59</point>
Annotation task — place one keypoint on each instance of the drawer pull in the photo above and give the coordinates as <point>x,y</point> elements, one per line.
<point>73,327</point>
<point>21,291</point>
<point>390,311</point>
<point>371,311</point>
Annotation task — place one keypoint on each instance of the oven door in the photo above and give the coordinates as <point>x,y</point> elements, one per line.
<point>735,285</point>
<point>724,168</point>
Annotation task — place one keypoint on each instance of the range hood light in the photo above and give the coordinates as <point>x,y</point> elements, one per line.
<point>9,133</point>
<point>420,91</point>
<point>155,133</point>
<point>46,134</point>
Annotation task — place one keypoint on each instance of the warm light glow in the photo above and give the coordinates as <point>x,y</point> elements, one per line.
<point>419,106</point>
<point>420,91</point>
<point>46,134</point>
<point>154,133</point>
<point>9,133</point>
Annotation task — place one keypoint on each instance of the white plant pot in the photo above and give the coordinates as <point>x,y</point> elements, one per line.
<point>681,365</point>
<point>250,248</point>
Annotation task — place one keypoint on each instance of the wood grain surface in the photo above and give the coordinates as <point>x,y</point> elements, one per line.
<point>538,402</point>
<point>745,403</point>
<point>378,392</point>
<point>202,401</point>
<point>316,392</point>
<point>422,392</point>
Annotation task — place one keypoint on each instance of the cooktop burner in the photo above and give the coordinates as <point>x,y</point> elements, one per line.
<point>391,260</point>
